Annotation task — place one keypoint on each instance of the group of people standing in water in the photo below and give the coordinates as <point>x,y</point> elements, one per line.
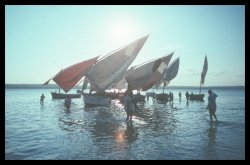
<point>130,104</point>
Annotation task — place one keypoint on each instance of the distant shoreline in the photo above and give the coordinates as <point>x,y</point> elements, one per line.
<point>54,86</point>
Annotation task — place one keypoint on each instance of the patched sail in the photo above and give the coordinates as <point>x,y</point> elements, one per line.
<point>144,76</point>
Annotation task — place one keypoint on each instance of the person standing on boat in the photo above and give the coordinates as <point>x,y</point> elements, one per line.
<point>129,105</point>
<point>212,104</point>
<point>42,99</point>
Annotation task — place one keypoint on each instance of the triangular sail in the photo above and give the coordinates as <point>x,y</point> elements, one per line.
<point>122,84</point>
<point>158,74</point>
<point>204,70</point>
<point>172,70</point>
<point>85,83</point>
<point>137,76</point>
<point>110,70</point>
<point>145,75</point>
<point>70,76</point>
<point>159,82</point>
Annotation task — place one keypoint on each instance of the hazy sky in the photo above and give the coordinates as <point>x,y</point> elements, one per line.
<point>42,40</point>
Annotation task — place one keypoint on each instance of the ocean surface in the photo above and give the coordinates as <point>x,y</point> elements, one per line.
<point>158,131</point>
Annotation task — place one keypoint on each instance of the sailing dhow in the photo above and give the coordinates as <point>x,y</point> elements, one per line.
<point>200,96</point>
<point>109,70</point>
<point>144,76</point>
<point>169,74</point>
<point>69,77</point>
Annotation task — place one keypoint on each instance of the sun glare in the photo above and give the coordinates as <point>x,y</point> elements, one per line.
<point>122,30</point>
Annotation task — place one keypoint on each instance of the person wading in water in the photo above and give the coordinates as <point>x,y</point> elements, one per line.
<point>128,104</point>
<point>212,104</point>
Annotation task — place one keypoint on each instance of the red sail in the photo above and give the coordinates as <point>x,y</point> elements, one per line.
<point>70,76</point>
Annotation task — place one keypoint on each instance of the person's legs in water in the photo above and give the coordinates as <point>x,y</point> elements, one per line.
<point>210,114</point>
<point>215,116</point>
<point>130,117</point>
<point>127,116</point>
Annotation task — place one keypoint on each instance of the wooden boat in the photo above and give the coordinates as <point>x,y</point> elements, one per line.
<point>150,94</point>
<point>197,97</point>
<point>163,97</point>
<point>110,69</point>
<point>139,98</point>
<point>56,95</point>
<point>96,100</point>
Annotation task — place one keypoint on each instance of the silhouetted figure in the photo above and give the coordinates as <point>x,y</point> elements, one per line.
<point>154,97</point>
<point>191,97</point>
<point>187,95</point>
<point>212,104</point>
<point>67,102</point>
<point>180,96</point>
<point>171,98</point>
<point>42,99</point>
<point>129,105</point>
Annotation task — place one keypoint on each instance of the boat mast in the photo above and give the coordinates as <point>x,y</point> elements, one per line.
<point>59,85</point>
<point>164,84</point>
<point>200,88</point>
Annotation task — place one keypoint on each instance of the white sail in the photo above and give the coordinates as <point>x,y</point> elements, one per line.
<point>110,69</point>
<point>146,75</point>
<point>122,84</point>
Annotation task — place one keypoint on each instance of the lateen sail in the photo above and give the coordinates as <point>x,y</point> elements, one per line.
<point>121,84</point>
<point>110,69</point>
<point>159,82</point>
<point>70,76</point>
<point>172,70</point>
<point>204,71</point>
<point>146,75</point>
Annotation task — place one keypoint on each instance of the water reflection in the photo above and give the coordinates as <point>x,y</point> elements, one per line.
<point>210,152</point>
<point>131,133</point>
<point>211,133</point>
<point>42,107</point>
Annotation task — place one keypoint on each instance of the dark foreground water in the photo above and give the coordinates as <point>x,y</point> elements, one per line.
<point>158,131</point>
